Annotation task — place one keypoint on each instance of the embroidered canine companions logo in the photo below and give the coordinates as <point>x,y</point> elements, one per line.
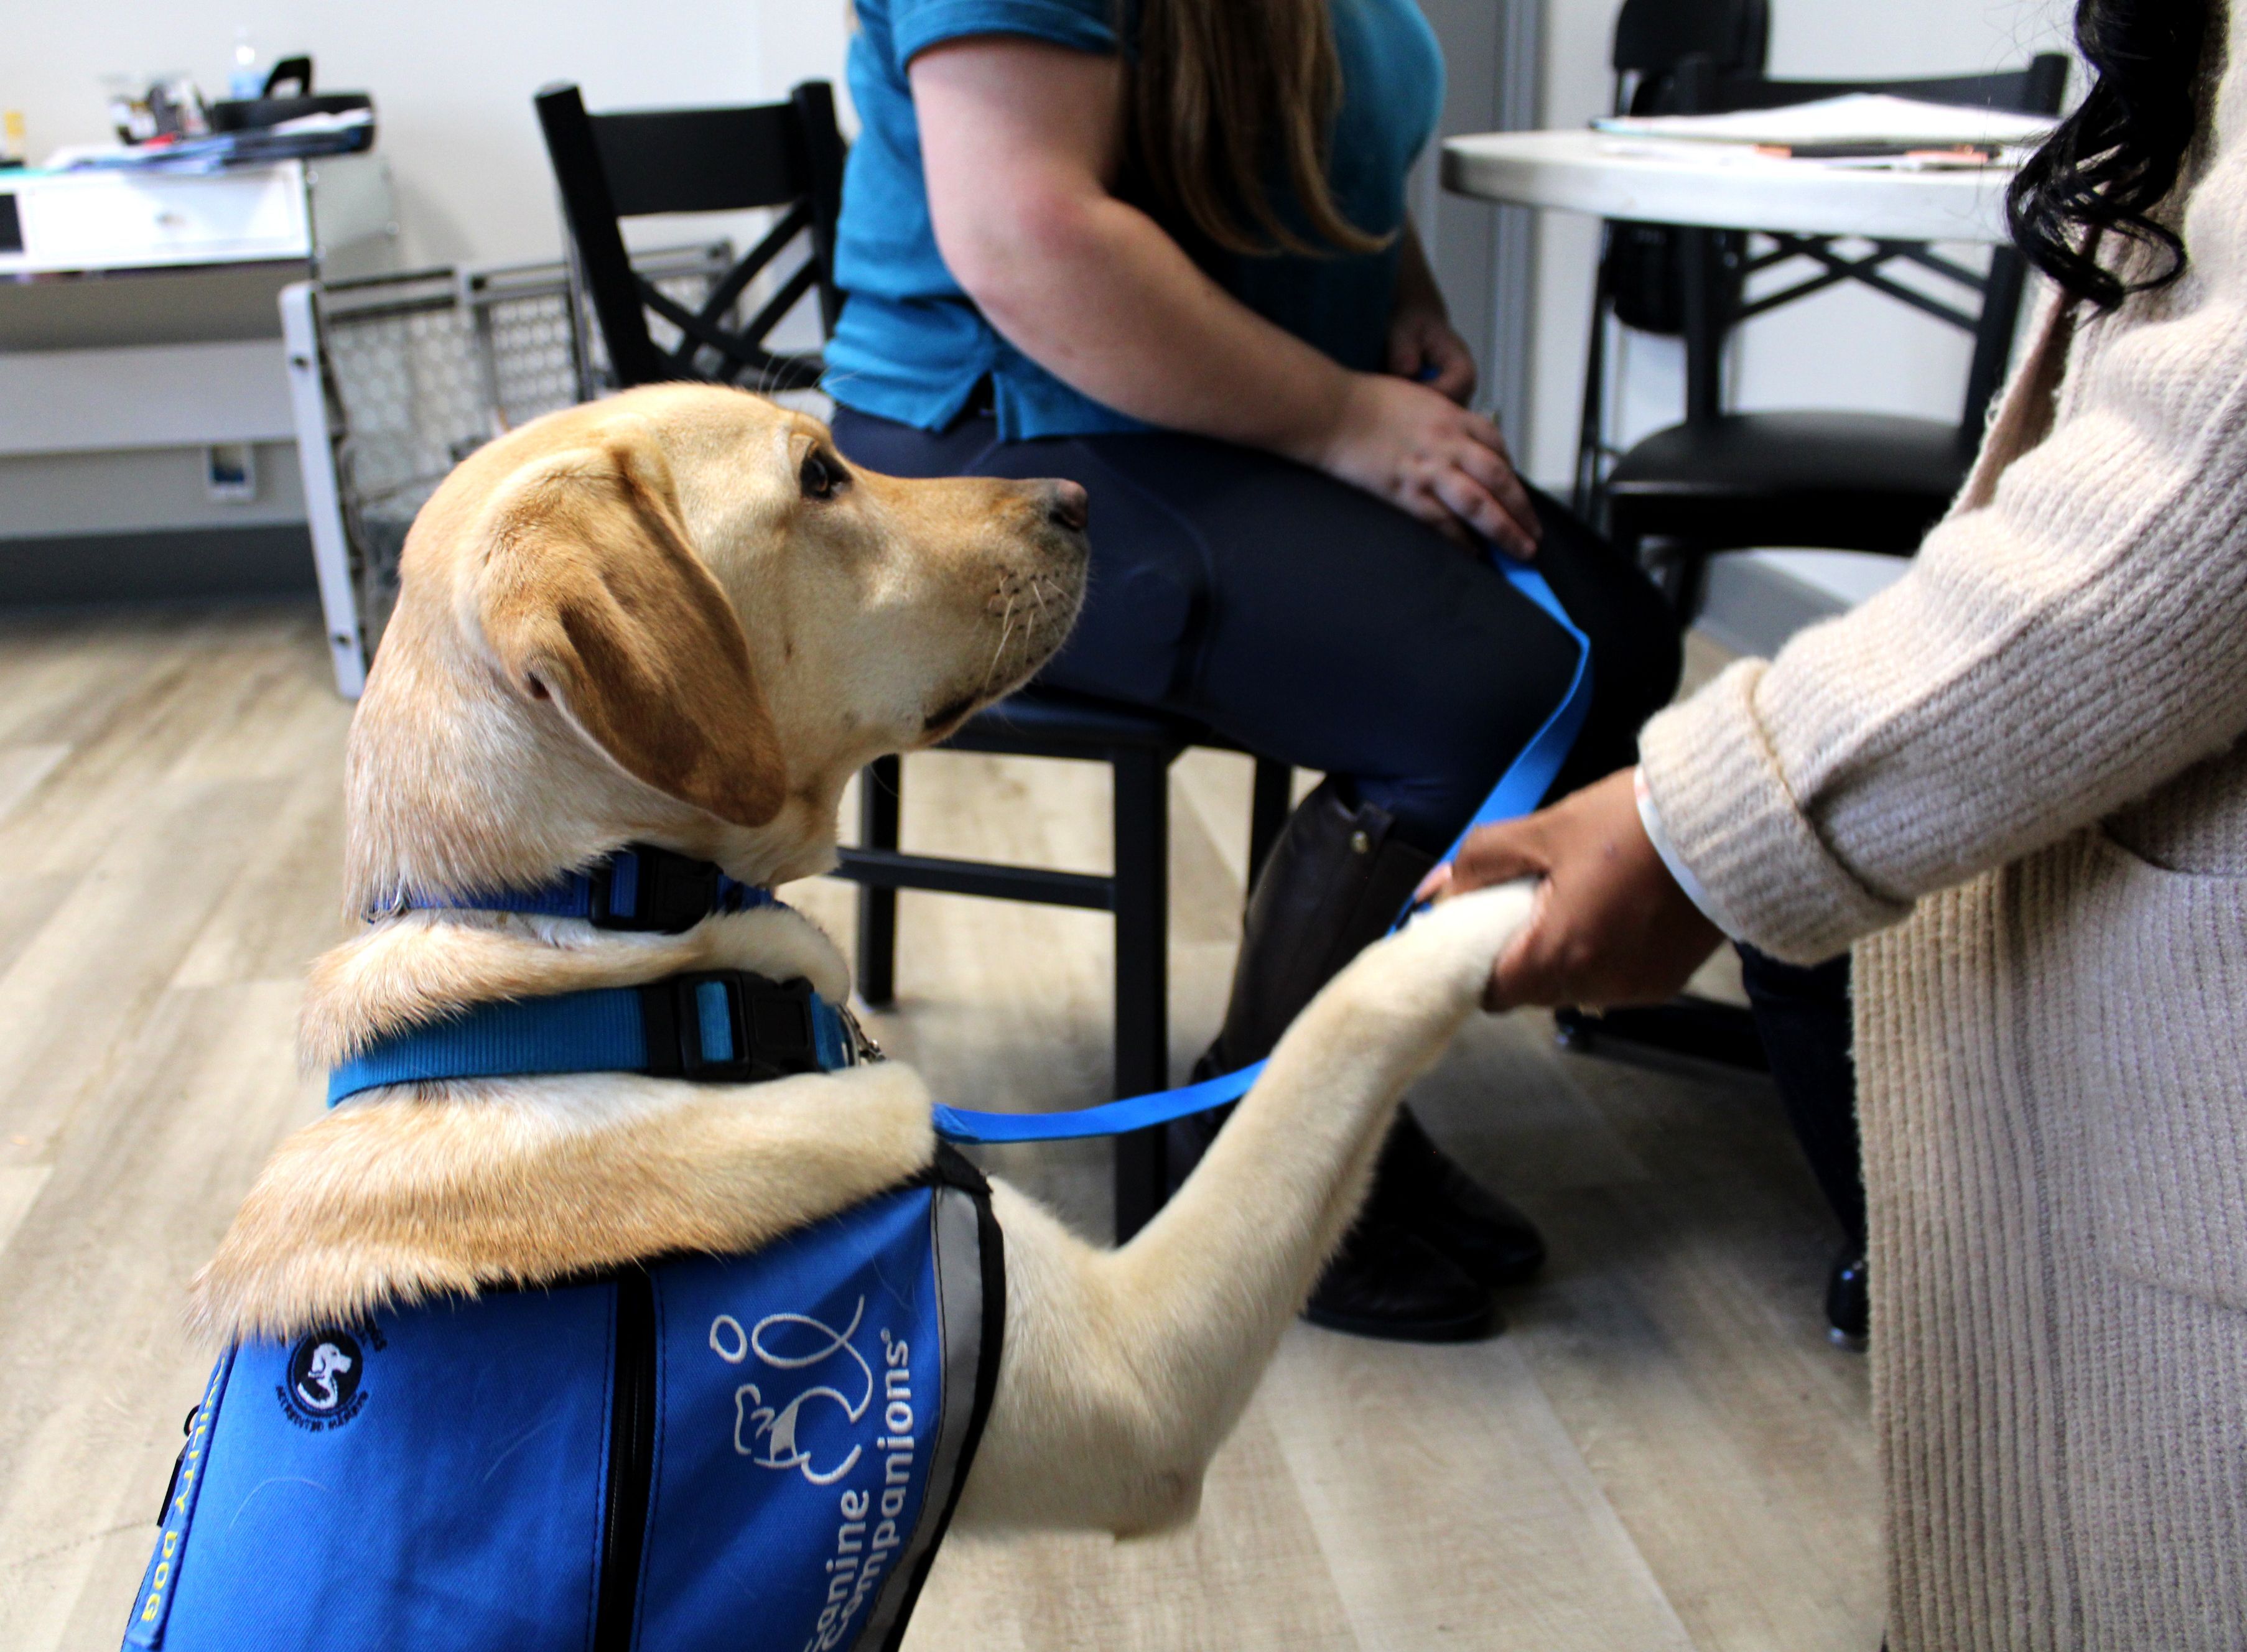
<point>321,1387</point>
<point>774,1435</point>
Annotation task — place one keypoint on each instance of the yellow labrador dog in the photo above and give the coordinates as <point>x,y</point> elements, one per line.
<point>680,618</point>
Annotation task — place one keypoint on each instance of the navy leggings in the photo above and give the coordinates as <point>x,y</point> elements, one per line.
<point>1804,1017</point>
<point>1313,623</point>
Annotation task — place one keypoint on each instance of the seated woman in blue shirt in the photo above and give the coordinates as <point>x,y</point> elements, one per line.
<point>1168,258</point>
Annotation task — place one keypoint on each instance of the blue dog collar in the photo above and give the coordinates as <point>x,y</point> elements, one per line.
<point>713,1027</point>
<point>638,887</point>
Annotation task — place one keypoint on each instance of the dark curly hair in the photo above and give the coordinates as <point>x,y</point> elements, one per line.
<point>2117,157</point>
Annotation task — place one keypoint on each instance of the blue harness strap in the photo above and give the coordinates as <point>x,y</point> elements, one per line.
<point>1519,792</point>
<point>716,1026</point>
<point>639,887</point>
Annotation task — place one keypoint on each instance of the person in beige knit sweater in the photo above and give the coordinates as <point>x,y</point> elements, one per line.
<point>2015,784</point>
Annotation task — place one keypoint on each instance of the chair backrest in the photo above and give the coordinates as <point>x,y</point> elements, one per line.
<point>1655,42</point>
<point>608,168</point>
<point>1653,37</point>
<point>2038,88</point>
<point>1638,277</point>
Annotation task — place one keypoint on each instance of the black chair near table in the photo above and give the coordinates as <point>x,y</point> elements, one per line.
<point>1636,280</point>
<point>788,157</point>
<point>1843,481</point>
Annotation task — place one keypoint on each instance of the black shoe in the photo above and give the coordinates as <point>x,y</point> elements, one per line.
<point>1849,1302</point>
<point>1386,1283</point>
<point>1419,1188</point>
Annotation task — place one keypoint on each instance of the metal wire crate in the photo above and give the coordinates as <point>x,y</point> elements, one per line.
<point>395,379</point>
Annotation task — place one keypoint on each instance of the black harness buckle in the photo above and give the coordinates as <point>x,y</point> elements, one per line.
<point>729,1026</point>
<point>664,892</point>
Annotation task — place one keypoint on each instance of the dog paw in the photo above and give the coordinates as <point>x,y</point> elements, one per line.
<point>1444,958</point>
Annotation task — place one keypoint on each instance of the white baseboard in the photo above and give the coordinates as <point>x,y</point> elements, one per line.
<point>1756,599</point>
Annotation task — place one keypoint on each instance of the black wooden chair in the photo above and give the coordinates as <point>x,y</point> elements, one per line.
<point>1637,284</point>
<point>1636,280</point>
<point>1841,481</point>
<point>788,156</point>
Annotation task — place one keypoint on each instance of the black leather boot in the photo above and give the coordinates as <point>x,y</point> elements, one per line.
<point>1389,1283</point>
<point>1334,882</point>
<point>1418,1186</point>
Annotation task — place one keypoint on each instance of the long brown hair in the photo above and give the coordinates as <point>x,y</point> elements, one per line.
<point>1228,98</point>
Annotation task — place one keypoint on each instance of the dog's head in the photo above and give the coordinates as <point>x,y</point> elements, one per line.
<point>678,616</point>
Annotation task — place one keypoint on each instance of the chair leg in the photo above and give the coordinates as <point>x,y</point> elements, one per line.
<point>1142,820</point>
<point>1684,580</point>
<point>1268,811</point>
<point>1679,568</point>
<point>879,798</point>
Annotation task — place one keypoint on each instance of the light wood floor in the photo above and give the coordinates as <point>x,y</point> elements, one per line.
<point>1661,1452</point>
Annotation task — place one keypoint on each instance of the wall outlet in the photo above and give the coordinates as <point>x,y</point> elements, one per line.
<point>230,472</point>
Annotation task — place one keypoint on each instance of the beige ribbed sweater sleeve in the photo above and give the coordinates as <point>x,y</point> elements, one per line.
<point>2072,636</point>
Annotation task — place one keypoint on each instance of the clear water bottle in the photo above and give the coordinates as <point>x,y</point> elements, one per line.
<point>247,78</point>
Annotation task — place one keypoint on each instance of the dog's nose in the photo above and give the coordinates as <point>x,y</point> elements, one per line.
<point>1068,505</point>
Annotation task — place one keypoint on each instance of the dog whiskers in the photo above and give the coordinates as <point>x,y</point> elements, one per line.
<point>1006,631</point>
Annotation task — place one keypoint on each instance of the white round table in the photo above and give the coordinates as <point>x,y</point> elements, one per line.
<point>1724,187</point>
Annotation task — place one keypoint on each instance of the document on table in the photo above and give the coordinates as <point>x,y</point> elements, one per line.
<point>1860,117</point>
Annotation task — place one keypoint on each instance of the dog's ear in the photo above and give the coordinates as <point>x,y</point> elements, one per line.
<point>591,597</point>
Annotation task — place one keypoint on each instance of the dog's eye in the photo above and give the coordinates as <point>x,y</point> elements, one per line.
<point>821,477</point>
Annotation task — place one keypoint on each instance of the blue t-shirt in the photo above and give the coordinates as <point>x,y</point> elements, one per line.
<point>911,346</point>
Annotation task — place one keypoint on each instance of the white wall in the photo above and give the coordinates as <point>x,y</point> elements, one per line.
<point>453,86</point>
<point>1846,348</point>
<point>452,83</point>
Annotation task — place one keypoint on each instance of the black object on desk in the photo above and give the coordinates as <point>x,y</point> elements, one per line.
<point>273,104</point>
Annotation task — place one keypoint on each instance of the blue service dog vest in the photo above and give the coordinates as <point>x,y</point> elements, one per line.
<point>744,1454</point>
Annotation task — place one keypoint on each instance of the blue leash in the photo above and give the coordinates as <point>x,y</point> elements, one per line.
<point>1519,792</point>
<point>735,1026</point>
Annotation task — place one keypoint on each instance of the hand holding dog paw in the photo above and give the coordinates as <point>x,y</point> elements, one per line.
<point>1611,926</point>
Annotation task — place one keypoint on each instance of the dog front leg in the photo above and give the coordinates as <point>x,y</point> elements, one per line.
<point>1124,1369</point>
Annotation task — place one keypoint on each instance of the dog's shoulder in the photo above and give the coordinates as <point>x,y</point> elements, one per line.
<point>511,1183</point>
<point>428,965</point>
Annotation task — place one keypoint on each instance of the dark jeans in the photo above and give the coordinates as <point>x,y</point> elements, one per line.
<point>1804,1017</point>
<point>1315,624</point>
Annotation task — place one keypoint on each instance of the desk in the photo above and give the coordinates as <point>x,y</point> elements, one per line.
<point>1718,188</point>
<point>139,326</point>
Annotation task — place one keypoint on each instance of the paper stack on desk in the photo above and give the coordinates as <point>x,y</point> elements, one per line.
<point>1858,117</point>
<point>306,136</point>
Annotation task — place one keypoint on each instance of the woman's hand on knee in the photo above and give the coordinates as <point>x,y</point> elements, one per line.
<point>1611,926</point>
<point>1409,444</point>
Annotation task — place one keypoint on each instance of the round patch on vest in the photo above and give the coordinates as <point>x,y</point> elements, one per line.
<point>321,1389</point>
